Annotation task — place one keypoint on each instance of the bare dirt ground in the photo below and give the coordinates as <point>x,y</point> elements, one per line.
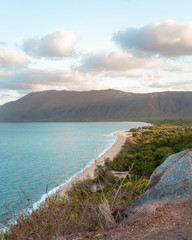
<point>168,221</point>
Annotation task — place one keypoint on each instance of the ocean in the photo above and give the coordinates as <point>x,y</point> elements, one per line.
<point>36,159</point>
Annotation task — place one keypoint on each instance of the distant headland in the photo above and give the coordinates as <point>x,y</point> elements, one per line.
<point>101,105</point>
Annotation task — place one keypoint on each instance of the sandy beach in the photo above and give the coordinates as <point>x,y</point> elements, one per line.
<point>110,153</point>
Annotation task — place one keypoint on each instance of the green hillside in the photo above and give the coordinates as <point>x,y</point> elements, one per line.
<point>103,105</point>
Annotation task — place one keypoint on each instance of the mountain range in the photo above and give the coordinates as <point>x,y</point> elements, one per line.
<point>101,105</point>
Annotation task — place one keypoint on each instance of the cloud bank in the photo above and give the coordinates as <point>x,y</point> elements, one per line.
<point>115,61</point>
<point>5,73</point>
<point>57,44</point>
<point>157,75</point>
<point>12,58</point>
<point>169,38</point>
<point>173,85</point>
<point>37,79</point>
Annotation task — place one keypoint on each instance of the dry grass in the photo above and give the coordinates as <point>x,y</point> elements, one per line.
<point>84,210</point>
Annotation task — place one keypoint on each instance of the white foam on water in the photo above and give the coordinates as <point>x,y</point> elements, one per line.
<point>45,196</point>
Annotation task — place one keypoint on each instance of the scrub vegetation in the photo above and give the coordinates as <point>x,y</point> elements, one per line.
<point>97,204</point>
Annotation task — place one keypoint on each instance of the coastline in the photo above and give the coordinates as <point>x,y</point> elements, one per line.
<point>89,172</point>
<point>85,173</point>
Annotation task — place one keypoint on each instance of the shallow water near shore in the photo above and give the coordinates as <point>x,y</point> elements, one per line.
<point>36,158</point>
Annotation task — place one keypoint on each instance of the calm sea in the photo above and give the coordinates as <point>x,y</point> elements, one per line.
<point>35,158</point>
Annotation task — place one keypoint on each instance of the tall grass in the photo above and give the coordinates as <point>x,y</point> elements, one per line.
<point>89,206</point>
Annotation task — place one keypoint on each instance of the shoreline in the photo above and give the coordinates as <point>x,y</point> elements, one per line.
<point>89,172</point>
<point>89,169</point>
<point>85,173</point>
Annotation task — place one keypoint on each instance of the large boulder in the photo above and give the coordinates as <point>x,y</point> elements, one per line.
<point>164,211</point>
<point>171,181</point>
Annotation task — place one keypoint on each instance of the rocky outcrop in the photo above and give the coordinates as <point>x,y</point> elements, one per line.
<point>164,211</point>
<point>171,181</point>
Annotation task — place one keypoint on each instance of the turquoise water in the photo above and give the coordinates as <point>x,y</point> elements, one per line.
<point>35,158</point>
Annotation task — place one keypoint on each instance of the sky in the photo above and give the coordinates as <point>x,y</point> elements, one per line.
<point>131,45</point>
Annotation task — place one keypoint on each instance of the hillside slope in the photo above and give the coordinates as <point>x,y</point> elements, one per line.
<point>164,211</point>
<point>103,105</point>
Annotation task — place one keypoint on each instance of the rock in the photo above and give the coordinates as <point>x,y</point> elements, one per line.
<point>171,181</point>
<point>164,211</point>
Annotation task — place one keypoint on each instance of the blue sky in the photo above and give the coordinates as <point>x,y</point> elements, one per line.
<point>131,45</point>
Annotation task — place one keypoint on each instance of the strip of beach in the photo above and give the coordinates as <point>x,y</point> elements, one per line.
<point>89,172</point>
<point>110,154</point>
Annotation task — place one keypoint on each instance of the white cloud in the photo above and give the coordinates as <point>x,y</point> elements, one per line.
<point>5,73</point>
<point>9,95</point>
<point>185,69</point>
<point>115,61</point>
<point>169,38</point>
<point>157,75</point>
<point>125,74</point>
<point>57,44</point>
<point>173,85</point>
<point>35,79</point>
<point>179,69</point>
<point>12,58</point>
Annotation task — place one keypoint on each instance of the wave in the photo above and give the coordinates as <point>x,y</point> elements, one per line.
<point>45,196</point>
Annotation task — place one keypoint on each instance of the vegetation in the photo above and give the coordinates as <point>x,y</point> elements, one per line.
<point>93,106</point>
<point>98,203</point>
<point>150,147</point>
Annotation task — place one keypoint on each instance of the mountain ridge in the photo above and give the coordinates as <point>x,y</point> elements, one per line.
<point>96,105</point>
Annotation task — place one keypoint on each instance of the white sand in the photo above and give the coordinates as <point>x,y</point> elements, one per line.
<point>110,153</point>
